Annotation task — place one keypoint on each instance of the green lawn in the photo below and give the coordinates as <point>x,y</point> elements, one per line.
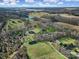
<point>43,51</point>
<point>50,29</point>
<point>47,30</point>
<point>67,41</point>
<point>36,30</point>
<point>75,51</point>
<point>14,24</point>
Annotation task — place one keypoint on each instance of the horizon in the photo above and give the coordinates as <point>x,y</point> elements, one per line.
<point>39,3</point>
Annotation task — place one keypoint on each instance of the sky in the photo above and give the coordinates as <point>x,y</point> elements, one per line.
<point>39,3</point>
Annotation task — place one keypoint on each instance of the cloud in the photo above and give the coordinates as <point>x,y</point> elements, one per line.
<point>32,3</point>
<point>29,1</point>
<point>17,1</point>
<point>2,4</point>
<point>13,3</point>
<point>51,1</point>
<point>68,0</point>
<point>72,0</point>
<point>9,2</point>
<point>60,3</point>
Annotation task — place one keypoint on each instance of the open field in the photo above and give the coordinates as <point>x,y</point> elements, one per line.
<point>67,41</point>
<point>13,24</point>
<point>43,51</point>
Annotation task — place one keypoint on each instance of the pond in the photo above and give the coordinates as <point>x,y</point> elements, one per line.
<point>32,42</point>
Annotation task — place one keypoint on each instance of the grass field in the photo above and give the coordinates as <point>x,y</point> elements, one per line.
<point>40,14</point>
<point>36,30</point>
<point>50,29</point>
<point>67,41</point>
<point>42,50</point>
<point>14,24</point>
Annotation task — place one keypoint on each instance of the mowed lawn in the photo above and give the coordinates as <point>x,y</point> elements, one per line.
<point>42,50</point>
<point>68,40</point>
<point>14,24</point>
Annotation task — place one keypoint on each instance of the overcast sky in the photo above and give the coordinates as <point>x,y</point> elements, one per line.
<point>39,3</point>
